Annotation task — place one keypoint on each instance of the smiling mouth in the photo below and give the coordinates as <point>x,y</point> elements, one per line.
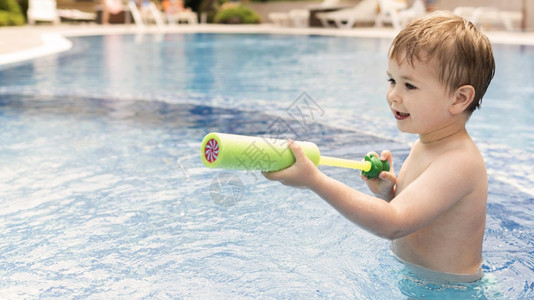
<point>401,116</point>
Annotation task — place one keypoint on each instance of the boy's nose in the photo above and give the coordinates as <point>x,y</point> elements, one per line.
<point>393,96</point>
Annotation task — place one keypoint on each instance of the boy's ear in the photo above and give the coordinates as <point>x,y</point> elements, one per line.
<point>463,96</point>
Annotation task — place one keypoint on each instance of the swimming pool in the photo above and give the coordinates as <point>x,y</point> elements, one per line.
<point>103,195</point>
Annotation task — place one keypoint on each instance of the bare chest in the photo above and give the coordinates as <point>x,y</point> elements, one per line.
<point>414,165</point>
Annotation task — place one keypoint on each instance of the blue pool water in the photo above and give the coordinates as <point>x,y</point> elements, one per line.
<point>103,195</point>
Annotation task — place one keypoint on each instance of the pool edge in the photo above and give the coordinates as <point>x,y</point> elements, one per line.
<point>54,39</point>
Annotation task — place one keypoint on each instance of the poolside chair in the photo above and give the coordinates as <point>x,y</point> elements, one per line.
<point>465,12</point>
<point>329,3</point>
<point>389,13</point>
<point>189,17</point>
<point>396,12</point>
<point>365,11</point>
<point>295,18</point>
<point>486,15</point>
<point>493,16</point>
<point>279,18</point>
<point>146,13</point>
<point>76,15</point>
<point>418,9</point>
<point>136,14</point>
<point>299,17</point>
<point>508,19</point>
<point>42,10</point>
<point>481,16</point>
<point>176,13</point>
<point>151,12</point>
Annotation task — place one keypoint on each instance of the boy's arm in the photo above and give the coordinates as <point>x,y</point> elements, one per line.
<point>417,205</point>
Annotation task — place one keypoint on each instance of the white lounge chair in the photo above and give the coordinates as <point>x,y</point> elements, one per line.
<point>189,17</point>
<point>389,13</point>
<point>465,12</point>
<point>418,9</point>
<point>365,11</point>
<point>279,18</point>
<point>295,18</point>
<point>76,15</point>
<point>396,13</point>
<point>508,19</point>
<point>145,14</point>
<point>486,16</point>
<point>42,10</point>
<point>493,16</point>
<point>483,16</point>
<point>329,3</point>
<point>299,17</point>
<point>176,13</point>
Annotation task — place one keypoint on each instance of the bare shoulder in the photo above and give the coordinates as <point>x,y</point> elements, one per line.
<point>452,168</point>
<point>462,155</point>
<point>459,155</point>
<point>463,164</point>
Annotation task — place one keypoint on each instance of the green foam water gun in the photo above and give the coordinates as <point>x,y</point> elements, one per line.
<point>231,151</point>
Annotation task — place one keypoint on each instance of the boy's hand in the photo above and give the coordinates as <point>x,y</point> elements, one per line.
<point>302,173</point>
<point>383,186</point>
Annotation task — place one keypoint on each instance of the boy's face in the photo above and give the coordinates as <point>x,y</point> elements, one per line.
<point>417,99</point>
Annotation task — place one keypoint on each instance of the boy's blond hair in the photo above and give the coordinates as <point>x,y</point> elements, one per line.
<point>463,53</point>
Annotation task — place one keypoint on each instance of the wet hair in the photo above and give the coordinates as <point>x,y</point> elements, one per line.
<point>464,55</point>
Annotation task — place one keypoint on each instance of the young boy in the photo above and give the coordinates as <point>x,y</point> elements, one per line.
<point>439,67</point>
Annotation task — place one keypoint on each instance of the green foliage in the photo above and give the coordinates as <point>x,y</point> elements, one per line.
<point>237,15</point>
<point>23,6</point>
<point>10,6</point>
<point>10,13</point>
<point>210,8</point>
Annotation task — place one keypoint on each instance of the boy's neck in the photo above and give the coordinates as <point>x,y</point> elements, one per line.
<point>453,128</point>
<point>442,134</point>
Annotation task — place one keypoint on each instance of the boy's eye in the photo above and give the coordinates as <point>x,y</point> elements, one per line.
<point>409,86</point>
<point>391,80</point>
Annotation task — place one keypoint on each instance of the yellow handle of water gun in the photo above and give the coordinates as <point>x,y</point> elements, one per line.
<point>345,163</point>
